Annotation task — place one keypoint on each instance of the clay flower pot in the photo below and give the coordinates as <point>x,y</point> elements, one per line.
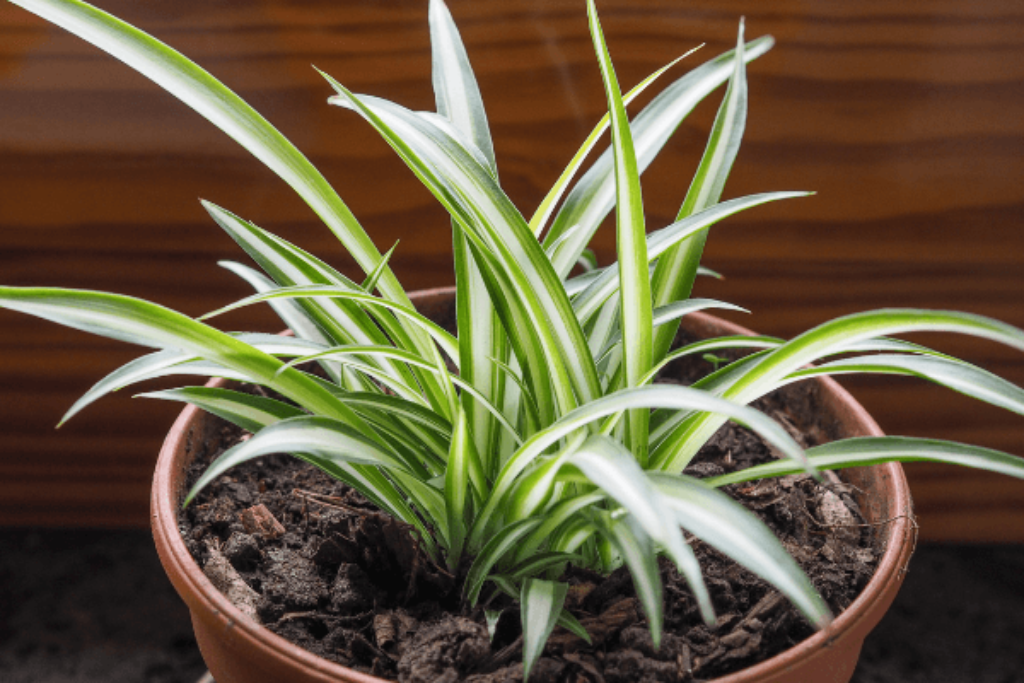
<point>237,650</point>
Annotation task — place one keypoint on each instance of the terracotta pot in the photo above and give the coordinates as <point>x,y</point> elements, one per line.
<point>239,651</point>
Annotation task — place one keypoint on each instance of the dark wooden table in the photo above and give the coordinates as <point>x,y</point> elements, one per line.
<point>906,118</point>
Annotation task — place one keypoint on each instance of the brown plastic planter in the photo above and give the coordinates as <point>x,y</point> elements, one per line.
<point>238,650</point>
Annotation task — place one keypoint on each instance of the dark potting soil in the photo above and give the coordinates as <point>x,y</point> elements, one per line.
<point>318,564</point>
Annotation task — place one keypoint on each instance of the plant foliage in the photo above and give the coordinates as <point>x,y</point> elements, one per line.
<point>526,440</point>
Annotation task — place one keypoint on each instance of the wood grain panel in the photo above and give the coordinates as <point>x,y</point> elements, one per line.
<point>906,118</point>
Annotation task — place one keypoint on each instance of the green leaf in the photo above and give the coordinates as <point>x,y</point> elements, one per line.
<point>573,535</point>
<point>484,211</point>
<point>614,471</point>
<point>429,502</point>
<point>455,88</point>
<point>677,268</point>
<point>658,396</point>
<point>873,450</point>
<point>496,549</point>
<point>536,487</point>
<point>491,618</point>
<point>587,260</point>
<point>443,338</point>
<point>480,341</point>
<point>140,369</point>
<point>838,334</point>
<point>707,272</point>
<point>371,281</point>
<point>954,374</point>
<point>462,475</point>
<point>344,353</point>
<point>634,287</point>
<point>394,406</point>
<point>606,283</point>
<point>326,440</point>
<point>541,602</point>
<point>661,423</point>
<point>594,195</point>
<point>637,551</point>
<point>663,316</point>
<point>418,428</point>
<point>603,330</point>
<point>678,309</point>
<point>536,564</point>
<point>332,446</point>
<point>291,314</point>
<point>721,522</point>
<point>251,413</point>
<point>553,518</point>
<point>528,344</point>
<point>547,205</point>
<point>573,626</point>
<point>458,99</point>
<point>142,322</point>
<point>341,319</point>
<point>716,344</point>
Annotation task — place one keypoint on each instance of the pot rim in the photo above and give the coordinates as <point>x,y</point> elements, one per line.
<point>199,593</point>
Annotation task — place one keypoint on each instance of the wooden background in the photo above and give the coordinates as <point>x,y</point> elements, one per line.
<point>906,118</point>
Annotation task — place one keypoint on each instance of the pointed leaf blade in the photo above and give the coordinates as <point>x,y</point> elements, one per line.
<point>726,525</point>
<point>874,450</point>
<point>541,603</point>
<point>634,287</point>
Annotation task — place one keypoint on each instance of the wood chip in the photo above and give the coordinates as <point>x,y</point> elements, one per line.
<point>384,630</point>
<point>601,628</point>
<point>229,582</point>
<point>259,520</point>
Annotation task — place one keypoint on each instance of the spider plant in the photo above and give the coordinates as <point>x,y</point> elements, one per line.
<point>535,436</point>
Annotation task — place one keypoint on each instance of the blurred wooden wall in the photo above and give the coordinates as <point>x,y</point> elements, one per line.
<point>906,118</point>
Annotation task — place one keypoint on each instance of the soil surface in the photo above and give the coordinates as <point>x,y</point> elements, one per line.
<point>319,565</point>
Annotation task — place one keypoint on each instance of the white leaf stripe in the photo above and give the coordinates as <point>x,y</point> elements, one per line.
<point>480,340</point>
<point>121,317</point>
<point>457,96</point>
<point>552,519</point>
<point>342,353</point>
<point>461,458</point>
<point>456,92</point>
<point>330,445</point>
<point>443,338</point>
